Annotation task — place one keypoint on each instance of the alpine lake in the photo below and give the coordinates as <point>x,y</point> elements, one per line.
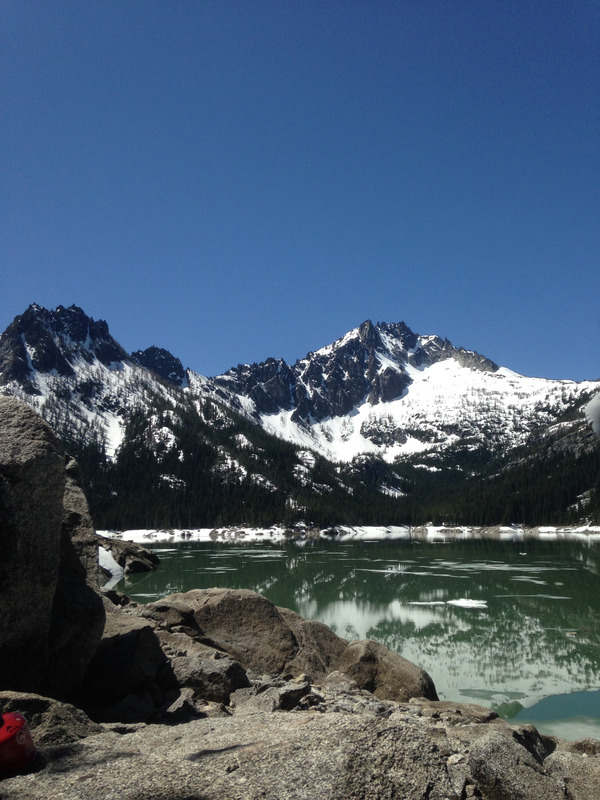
<point>513,625</point>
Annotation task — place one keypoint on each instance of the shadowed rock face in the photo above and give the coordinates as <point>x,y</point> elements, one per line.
<point>51,618</point>
<point>32,487</point>
<point>162,363</point>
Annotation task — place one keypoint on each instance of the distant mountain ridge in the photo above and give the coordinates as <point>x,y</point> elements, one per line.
<point>369,363</point>
<point>385,390</point>
<point>383,415</point>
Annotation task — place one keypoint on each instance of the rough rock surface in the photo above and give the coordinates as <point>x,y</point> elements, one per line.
<point>232,734</point>
<point>245,624</point>
<point>319,648</point>
<point>130,556</point>
<point>32,485</point>
<point>277,641</point>
<point>50,721</point>
<point>129,674</point>
<point>77,612</point>
<point>178,654</point>
<point>385,673</point>
<point>342,744</point>
<point>50,617</point>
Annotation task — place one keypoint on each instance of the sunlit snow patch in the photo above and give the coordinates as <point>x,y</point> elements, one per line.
<point>592,413</point>
<point>107,562</point>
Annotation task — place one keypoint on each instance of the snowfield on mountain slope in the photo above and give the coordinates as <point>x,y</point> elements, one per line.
<point>113,390</point>
<point>445,403</point>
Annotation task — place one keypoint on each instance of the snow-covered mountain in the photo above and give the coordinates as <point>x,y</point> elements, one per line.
<point>70,369</point>
<point>363,416</point>
<point>384,390</point>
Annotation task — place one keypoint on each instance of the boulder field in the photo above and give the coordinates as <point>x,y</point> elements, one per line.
<point>218,694</point>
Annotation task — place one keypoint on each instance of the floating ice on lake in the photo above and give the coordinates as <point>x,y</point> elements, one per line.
<point>464,602</point>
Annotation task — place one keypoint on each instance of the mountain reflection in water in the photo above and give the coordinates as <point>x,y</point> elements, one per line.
<point>504,624</point>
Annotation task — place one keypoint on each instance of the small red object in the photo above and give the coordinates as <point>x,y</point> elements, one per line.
<point>17,749</point>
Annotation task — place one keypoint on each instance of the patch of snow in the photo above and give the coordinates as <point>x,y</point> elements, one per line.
<point>592,413</point>
<point>108,562</point>
<point>173,481</point>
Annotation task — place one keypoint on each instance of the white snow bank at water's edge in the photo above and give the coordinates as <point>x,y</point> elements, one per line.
<point>107,562</point>
<point>150,536</point>
<point>344,533</point>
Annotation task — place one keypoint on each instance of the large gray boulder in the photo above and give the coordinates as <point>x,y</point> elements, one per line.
<point>386,674</point>
<point>51,618</point>
<point>245,625</point>
<point>319,648</point>
<point>32,487</point>
<point>78,613</point>
<point>129,675</point>
<point>268,640</point>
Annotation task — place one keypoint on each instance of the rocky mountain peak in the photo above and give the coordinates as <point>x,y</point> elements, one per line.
<point>371,363</point>
<point>368,334</point>
<point>162,363</point>
<point>47,341</point>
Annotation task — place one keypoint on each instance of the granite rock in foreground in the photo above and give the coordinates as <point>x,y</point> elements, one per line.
<point>232,733</point>
<point>51,618</point>
<point>346,744</point>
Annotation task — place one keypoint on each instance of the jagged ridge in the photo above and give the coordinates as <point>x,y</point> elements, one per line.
<point>383,405</point>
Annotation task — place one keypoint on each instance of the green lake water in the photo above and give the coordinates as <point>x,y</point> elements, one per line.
<point>511,625</point>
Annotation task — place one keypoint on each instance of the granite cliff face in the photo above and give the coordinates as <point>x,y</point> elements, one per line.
<point>51,618</point>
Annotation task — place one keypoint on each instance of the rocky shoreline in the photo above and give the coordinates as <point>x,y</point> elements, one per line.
<point>218,694</point>
<point>185,702</point>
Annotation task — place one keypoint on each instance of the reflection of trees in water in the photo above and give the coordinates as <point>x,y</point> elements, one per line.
<point>497,648</point>
<point>529,633</point>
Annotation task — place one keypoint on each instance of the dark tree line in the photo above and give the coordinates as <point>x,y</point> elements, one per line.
<point>189,485</point>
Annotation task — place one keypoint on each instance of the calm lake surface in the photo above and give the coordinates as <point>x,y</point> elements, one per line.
<point>511,625</point>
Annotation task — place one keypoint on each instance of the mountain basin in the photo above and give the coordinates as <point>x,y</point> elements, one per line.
<point>513,625</point>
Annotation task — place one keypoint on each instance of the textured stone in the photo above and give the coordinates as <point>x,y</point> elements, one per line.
<point>78,613</point>
<point>319,754</point>
<point>386,674</point>
<point>319,648</point>
<point>32,486</point>
<point>129,673</point>
<point>505,770</point>
<point>51,722</point>
<point>579,762</point>
<point>51,618</point>
<point>245,624</point>
<point>212,675</point>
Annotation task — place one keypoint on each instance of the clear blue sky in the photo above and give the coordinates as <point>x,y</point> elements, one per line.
<point>238,179</point>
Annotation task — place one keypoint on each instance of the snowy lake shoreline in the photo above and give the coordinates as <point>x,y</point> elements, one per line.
<point>346,533</point>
